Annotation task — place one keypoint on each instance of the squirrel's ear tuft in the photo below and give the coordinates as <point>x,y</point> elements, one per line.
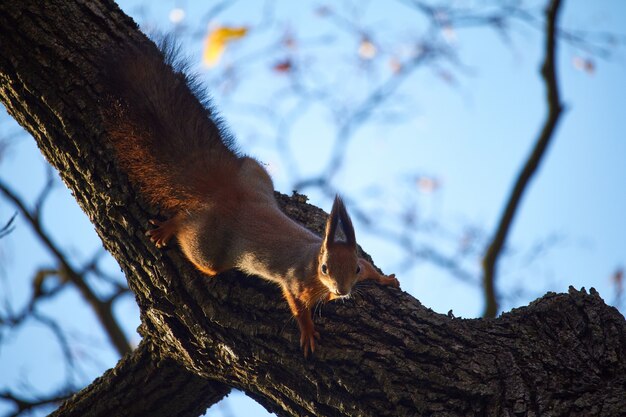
<point>339,215</point>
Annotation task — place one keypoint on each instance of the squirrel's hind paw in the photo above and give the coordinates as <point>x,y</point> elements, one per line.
<point>390,280</point>
<point>163,232</point>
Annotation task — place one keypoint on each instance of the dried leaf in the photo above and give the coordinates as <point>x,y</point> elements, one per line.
<point>618,279</point>
<point>289,41</point>
<point>428,184</point>
<point>367,50</point>
<point>283,66</point>
<point>395,65</point>
<point>449,34</point>
<point>584,64</point>
<point>216,41</point>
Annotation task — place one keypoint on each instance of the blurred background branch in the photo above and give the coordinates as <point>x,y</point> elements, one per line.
<point>65,272</point>
<point>554,109</point>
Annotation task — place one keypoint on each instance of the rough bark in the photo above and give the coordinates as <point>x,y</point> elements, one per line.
<point>381,354</point>
<point>141,385</point>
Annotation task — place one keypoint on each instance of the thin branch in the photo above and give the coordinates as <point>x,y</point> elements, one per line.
<point>358,117</point>
<point>415,250</point>
<point>212,14</point>
<point>63,342</point>
<point>8,228</point>
<point>102,309</point>
<point>555,107</point>
<point>22,404</point>
<point>45,192</point>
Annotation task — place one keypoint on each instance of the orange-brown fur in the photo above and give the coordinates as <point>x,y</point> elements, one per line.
<point>221,205</point>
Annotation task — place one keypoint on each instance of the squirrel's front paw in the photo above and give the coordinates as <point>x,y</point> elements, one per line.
<point>307,340</point>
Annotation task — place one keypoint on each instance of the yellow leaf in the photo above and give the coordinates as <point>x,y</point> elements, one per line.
<point>216,41</point>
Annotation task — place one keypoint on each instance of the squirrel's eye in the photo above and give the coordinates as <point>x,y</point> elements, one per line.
<point>324,269</point>
<point>358,269</point>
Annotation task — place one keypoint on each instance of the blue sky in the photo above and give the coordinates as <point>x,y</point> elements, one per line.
<point>473,136</point>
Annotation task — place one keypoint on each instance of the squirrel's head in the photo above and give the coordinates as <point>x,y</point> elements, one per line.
<point>338,261</point>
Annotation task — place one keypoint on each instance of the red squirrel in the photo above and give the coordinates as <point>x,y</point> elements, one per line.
<point>221,205</point>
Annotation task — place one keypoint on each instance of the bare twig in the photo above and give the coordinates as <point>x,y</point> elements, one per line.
<point>555,108</point>
<point>62,340</point>
<point>359,116</point>
<point>101,308</point>
<point>8,228</point>
<point>23,404</point>
<point>45,192</point>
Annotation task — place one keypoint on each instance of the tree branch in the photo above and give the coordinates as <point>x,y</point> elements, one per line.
<point>555,108</point>
<point>139,386</point>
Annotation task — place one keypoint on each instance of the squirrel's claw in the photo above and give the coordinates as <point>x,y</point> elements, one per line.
<point>162,233</point>
<point>307,341</point>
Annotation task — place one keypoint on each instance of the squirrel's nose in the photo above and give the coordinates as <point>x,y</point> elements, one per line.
<point>342,292</point>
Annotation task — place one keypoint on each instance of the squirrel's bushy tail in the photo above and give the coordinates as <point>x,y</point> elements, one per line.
<point>165,134</point>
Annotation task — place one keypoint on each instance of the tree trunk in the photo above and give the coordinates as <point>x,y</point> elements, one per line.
<point>381,354</point>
